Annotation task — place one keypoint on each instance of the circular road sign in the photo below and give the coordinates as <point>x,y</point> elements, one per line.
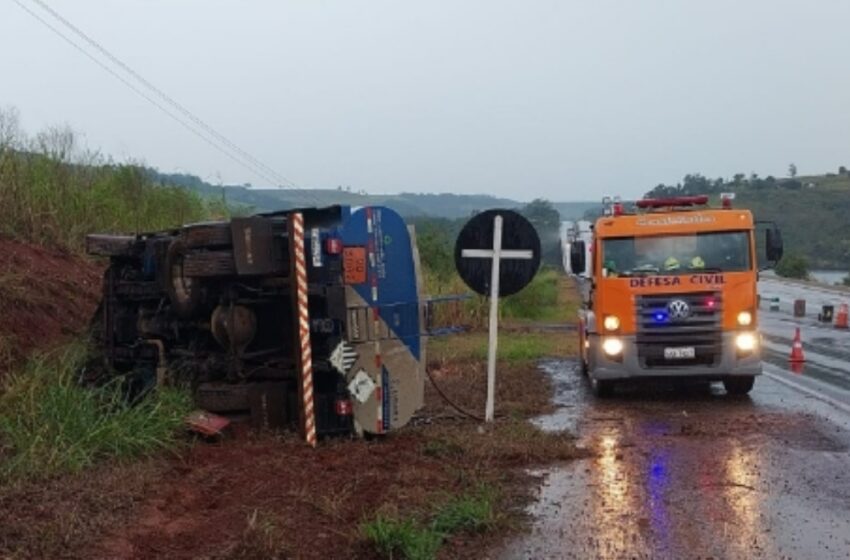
<point>520,253</point>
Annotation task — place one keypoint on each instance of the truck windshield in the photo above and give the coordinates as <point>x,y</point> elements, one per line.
<point>676,254</point>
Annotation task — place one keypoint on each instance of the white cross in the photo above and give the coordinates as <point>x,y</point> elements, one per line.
<point>497,254</point>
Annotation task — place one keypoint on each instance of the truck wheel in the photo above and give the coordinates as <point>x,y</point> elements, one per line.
<point>602,388</point>
<point>583,366</point>
<point>184,292</point>
<point>739,385</point>
<point>215,234</point>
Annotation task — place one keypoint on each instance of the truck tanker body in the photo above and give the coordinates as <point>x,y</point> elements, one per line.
<point>213,305</point>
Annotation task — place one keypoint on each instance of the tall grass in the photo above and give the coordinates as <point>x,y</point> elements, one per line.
<point>53,192</point>
<point>542,300</point>
<point>49,424</point>
<point>539,301</point>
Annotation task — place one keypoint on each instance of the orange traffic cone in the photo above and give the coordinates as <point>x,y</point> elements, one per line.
<point>797,349</point>
<point>797,367</point>
<point>841,318</point>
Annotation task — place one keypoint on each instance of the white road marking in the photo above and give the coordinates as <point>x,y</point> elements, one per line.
<point>838,365</point>
<point>779,375</point>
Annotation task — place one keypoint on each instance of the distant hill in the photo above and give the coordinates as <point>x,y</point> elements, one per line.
<point>813,211</point>
<point>410,205</point>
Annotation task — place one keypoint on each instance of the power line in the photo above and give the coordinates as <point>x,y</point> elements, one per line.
<point>138,91</point>
<point>179,107</point>
<point>229,148</point>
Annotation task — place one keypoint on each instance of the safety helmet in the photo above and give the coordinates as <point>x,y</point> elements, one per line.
<point>672,263</point>
<point>697,262</point>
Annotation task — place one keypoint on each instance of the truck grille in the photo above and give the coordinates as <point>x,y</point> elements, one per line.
<point>701,329</point>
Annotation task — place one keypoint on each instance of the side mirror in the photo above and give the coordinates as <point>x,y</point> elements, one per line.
<point>773,244</point>
<point>578,257</point>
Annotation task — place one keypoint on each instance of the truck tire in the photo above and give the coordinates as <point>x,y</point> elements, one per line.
<point>583,367</point>
<point>602,388</point>
<point>739,385</point>
<point>583,349</point>
<point>201,264</point>
<point>207,235</point>
<point>184,292</point>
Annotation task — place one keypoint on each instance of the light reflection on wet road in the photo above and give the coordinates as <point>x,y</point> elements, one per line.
<point>693,473</point>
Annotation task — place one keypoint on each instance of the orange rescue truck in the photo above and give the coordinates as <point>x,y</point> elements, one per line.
<point>672,293</point>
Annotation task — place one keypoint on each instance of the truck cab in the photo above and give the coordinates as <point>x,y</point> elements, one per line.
<point>672,293</point>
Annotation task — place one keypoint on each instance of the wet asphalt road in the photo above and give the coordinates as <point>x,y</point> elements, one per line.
<point>689,472</point>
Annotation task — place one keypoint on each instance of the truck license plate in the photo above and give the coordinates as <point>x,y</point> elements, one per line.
<point>686,353</point>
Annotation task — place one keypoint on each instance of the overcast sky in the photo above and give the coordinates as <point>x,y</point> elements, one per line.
<point>563,100</point>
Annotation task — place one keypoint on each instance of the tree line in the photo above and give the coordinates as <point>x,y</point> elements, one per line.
<point>696,184</point>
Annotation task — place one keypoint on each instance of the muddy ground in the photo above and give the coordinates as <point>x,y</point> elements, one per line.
<point>254,495</point>
<point>251,495</point>
<point>46,297</point>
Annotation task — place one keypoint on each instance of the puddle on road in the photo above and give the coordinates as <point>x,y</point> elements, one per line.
<point>750,471</point>
<point>566,382</point>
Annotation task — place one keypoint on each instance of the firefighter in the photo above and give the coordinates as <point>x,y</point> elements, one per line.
<point>697,263</point>
<point>672,263</point>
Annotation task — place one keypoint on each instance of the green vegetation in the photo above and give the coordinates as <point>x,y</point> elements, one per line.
<point>811,210</point>
<point>412,539</point>
<point>469,512</point>
<point>529,347</point>
<point>49,424</point>
<point>539,301</point>
<point>405,538</point>
<point>793,265</point>
<point>52,192</point>
<point>536,302</point>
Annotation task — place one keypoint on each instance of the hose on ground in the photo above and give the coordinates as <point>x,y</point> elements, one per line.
<point>449,401</point>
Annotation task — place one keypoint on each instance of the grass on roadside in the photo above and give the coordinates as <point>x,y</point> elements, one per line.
<point>513,348</point>
<point>414,539</point>
<point>49,424</point>
<point>542,300</point>
<point>550,297</point>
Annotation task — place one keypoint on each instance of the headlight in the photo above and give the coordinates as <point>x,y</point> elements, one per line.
<point>745,318</point>
<point>611,323</point>
<point>612,346</point>
<point>746,342</point>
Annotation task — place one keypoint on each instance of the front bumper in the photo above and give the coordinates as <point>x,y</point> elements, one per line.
<point>630,366</point>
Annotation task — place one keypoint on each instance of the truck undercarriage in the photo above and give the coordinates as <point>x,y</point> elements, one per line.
<point>214,306</point>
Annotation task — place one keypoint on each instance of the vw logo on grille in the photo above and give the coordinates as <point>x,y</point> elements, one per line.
<point>679,309</point>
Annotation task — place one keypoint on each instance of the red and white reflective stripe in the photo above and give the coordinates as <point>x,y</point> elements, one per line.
<point>304,328</point>
<point>379,395</point>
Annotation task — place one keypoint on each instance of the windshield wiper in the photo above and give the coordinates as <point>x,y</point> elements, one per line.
<point>638,272</point>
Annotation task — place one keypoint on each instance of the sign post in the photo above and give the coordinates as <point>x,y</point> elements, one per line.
<point>525,262</point>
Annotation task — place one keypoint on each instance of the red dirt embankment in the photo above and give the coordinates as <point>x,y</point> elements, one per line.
<point>46,296</point>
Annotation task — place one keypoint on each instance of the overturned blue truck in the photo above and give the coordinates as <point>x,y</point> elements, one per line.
<point>289,317</point>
